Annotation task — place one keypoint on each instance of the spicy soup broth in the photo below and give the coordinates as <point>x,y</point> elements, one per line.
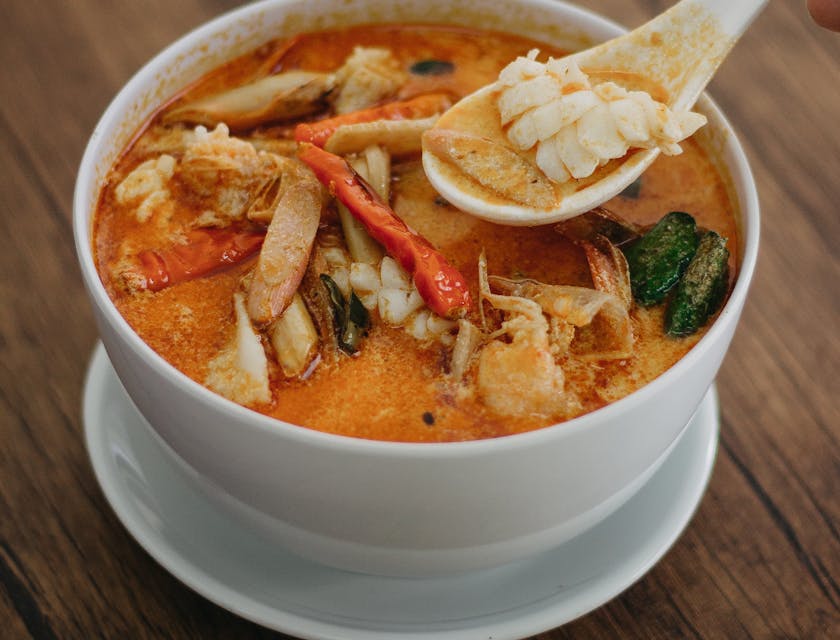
<point>396,387</point>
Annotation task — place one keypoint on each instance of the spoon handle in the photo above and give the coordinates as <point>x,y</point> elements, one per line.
<point>734,15</point>
<point>680,49</point>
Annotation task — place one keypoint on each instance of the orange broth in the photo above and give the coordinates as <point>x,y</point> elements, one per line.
<point>394,389</point>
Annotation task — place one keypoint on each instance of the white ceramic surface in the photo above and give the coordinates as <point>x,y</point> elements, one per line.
<point>216,556</point>
<point>391,508</point>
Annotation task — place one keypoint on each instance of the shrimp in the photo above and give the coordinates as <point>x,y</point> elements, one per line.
<point>285,252</point>
<point>591,324</point>
<point>598,323</point>
<point>520,376</point>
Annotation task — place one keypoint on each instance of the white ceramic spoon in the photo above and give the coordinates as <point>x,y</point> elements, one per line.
<point>679,50</point>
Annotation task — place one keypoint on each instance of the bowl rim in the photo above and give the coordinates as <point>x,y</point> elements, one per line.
<point>736,163</point>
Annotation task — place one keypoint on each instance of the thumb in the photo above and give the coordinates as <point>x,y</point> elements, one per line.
<point>825,13</point>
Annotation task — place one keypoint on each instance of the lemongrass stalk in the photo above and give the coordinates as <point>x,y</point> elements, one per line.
<point>294,338</point>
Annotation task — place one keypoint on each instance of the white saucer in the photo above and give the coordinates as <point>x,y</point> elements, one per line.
<point>214,555</point>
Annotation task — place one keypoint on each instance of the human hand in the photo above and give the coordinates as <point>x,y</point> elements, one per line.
<point>825,13</point>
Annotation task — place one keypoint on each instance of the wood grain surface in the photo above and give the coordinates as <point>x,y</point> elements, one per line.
<point>760,559</point>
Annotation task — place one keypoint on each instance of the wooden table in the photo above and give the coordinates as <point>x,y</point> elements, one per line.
<point>761,558</point>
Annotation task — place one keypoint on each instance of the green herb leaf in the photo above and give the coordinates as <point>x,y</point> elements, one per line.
<point>432,68</point>
<point>356,322</point>
<point>356,312</point>
<point>701,289</point>
<point>350,318</point>
<point>336,300</point>
<point>633,189</point>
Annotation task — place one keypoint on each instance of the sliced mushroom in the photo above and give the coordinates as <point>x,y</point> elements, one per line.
<point>493,165</point>
<point>279,97</point>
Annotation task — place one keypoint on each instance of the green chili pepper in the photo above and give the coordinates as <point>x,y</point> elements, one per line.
<point>702,288</point>
<point>660,257</point>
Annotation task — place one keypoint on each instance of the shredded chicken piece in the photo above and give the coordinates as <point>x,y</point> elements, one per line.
<point>368,76</point>
<point>218,150</point>
<point>602,321</point>
<point>240,371</point>
<point>172,140</point>
<point>146,187</point>
<point>225,173</point>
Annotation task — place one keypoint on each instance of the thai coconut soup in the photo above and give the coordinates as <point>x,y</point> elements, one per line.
<point>271,233</point>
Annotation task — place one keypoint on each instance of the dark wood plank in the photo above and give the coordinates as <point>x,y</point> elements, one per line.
<point>760,559</point>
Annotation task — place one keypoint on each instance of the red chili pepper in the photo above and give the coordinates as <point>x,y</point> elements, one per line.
<point>423,106</point>
<point>441,285</point>
<point>206,251</point>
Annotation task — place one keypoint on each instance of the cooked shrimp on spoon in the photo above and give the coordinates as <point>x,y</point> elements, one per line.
<point>550,140</point>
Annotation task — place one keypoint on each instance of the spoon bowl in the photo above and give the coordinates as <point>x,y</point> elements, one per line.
<point>678,52</point>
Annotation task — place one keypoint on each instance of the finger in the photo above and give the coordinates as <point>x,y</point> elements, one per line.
<point>825,13</point>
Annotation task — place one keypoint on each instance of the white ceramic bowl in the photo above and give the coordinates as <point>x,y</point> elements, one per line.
<point>393,508</point>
